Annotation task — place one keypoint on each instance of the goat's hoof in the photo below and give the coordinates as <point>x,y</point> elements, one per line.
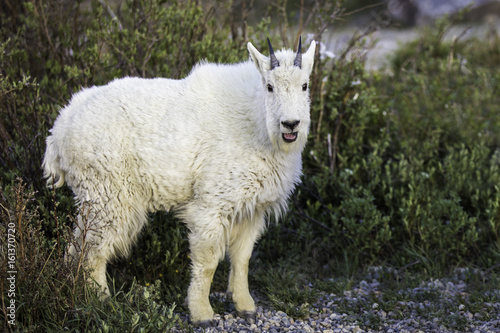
<point>250,316</point>
<point>203,323</point>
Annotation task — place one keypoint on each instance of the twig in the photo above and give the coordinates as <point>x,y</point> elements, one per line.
<point>20,207</point>
<point>281,6</point>
<point>489,270</point>
<point>300,213</point>
<point>398,271</point>
<point>452,48</point>
<point>335,141</point>
<point>45,28</point>
<point>354,40</point>
<point>46,261</point>
<point>321,108</point>
<point>56,218</point>
<point>337,12</point>
<point>301,22</point>
<point>318,199</point>
<point>330,157</point>
<point>111,13</point>
<point>363,8</point>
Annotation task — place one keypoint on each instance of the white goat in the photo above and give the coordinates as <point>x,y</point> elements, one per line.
<point>221,147</point>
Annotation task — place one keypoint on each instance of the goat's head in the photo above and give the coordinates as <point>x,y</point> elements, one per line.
<point>285,83</point>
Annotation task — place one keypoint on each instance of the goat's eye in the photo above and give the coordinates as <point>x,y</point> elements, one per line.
<point>269,88</point>
<point>304,87</point>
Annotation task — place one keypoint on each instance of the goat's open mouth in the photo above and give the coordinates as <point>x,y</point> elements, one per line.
<point>289,137</point>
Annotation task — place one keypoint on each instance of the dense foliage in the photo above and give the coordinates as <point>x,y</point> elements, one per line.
<point>400,169</point>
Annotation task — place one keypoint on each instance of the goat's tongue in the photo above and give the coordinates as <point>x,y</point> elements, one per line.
<point>289,136</point>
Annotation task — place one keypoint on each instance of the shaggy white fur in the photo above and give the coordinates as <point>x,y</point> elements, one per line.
<point>221,147</point>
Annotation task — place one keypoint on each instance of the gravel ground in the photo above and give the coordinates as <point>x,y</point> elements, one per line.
<point>326,314</point>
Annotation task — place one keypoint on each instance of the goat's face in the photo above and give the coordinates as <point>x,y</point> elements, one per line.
<point>285,84</point>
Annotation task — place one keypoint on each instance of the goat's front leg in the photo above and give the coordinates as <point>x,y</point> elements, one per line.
<point>243,237</point>
<point>207,249</point>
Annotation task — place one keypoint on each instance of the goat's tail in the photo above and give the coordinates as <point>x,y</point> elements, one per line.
<point>51,164</point>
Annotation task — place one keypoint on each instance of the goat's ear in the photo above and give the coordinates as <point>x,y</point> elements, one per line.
<point>262,62</point>
<point>308,58</point>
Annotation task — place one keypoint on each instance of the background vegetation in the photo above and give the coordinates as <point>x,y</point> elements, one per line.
<point>401,170</point>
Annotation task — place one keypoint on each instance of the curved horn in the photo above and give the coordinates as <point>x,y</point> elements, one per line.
<point>298,58</point>
<point>274,61</point>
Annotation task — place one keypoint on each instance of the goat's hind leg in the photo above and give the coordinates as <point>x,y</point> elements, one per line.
<point>86,249</point>
<point>103,232</point>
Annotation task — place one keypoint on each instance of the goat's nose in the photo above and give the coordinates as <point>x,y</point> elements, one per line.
<point>290,124</point>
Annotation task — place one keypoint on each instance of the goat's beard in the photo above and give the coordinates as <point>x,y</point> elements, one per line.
<point>287,146</point>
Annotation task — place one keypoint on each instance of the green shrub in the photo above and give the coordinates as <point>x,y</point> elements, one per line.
<point>404,168</point>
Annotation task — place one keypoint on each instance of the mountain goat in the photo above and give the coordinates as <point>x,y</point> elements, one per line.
<point>221,148</point>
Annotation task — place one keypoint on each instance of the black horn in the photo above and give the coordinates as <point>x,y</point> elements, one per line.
<point>274,61</point>
<point>298,58</point>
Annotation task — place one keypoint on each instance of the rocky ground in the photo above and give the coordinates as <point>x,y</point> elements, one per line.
<point>438,305</point>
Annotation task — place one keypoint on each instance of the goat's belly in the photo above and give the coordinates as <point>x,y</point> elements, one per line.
<point>170,194</point>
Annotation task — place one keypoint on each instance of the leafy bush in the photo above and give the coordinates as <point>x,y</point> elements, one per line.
<point>404,167</point>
